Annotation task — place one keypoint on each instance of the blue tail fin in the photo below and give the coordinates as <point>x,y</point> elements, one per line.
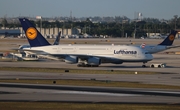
<point>56,42</point>
<point>168,41</point>
<point>34,37</point>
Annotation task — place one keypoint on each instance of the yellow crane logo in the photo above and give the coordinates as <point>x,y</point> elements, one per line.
<point>31,33</point>
<point>171,37</point>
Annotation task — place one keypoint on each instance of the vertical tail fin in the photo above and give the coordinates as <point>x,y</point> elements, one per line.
<point>168,41</point>
<point>56,42</point>
<point>34,37</point>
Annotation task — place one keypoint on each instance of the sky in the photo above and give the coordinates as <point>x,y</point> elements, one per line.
<point>161,9</point>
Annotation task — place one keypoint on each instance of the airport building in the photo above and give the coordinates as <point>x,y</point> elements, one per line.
<point>9,33</point>
<point>46,32</point>
<point>52,32</point>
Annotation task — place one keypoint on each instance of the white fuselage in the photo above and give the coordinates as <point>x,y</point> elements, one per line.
<point>154,48</point>
<point>122,53</point>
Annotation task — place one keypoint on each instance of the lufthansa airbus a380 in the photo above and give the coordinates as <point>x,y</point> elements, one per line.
<point>83,55</point>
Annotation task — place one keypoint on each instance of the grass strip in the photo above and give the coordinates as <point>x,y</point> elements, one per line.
<point>80,106</point>
<point>83,71</point>
<point>93,82</point>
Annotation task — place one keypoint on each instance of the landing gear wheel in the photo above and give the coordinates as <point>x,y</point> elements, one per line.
<point>81,65</point>
<point>152,66</point>
<point>86,65</point>
<point>159,66</point>
<point>143,66</point>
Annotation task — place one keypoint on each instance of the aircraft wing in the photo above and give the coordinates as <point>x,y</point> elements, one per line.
<point>38,52</point>
<point>176,46</point>
<point>104,59</point>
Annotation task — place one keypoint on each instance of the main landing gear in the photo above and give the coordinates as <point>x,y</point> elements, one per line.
<point>86,65</point>
<point>144,64</point>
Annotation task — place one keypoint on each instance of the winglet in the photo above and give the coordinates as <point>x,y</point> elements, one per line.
<point>34,37</point>
<point>168,41</point>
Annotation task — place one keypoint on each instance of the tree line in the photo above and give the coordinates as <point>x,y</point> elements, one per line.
<point>121,28</point>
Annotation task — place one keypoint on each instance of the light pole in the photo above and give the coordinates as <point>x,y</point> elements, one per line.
<point>135,30</point>
<point>41,25</point>
<point>175,19</point>
<point>39,17</point>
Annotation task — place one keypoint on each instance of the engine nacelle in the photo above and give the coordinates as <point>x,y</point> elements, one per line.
<point>71,59</point>
<point>94,61</point>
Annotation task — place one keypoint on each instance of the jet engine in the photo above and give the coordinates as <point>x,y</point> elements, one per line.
<point>71,59</point>
<point>94,61</point>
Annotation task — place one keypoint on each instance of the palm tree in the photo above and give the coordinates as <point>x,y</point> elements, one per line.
<point>4,22</point>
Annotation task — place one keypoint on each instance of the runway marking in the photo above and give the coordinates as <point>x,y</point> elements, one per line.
<point>96,93</point>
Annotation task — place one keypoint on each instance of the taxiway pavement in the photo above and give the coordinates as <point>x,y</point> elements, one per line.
<point>82,94</point>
